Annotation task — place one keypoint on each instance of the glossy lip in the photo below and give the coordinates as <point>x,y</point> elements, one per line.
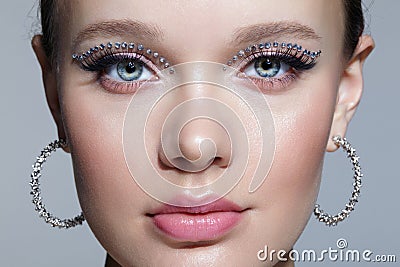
<point>194,224</point>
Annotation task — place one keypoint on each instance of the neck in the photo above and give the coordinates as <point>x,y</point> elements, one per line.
<point>287,263</point>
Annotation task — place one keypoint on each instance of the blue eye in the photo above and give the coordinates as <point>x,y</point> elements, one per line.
<point>267,67</point>
<point>128,70</point>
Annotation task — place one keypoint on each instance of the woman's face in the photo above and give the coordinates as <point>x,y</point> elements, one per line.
<point>135,228</point>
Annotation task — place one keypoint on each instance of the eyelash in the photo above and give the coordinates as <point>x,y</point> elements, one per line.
<point>293,55</point>
<point>99,58</point>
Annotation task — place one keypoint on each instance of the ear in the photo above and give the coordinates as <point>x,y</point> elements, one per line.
<point>50,85</point>
<point>350,90</point>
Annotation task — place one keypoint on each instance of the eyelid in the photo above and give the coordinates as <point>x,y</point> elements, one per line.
<point>293,55</point>
<point>275,49</point>
<point>100,51</point>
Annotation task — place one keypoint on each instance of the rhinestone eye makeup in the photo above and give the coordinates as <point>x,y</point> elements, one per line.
<point>275,48</point>
<point>122,67</point>
<point>89,57</point>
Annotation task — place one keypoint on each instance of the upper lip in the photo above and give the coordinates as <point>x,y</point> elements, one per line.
<point>220,205</point>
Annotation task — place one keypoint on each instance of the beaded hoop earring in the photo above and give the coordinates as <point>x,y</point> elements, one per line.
<point>330,220</point>
<point>35,190</point>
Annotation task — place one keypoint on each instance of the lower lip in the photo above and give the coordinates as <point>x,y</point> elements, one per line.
<point>197,227</point>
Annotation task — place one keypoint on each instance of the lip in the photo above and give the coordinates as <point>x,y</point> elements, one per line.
<point>201,223</point>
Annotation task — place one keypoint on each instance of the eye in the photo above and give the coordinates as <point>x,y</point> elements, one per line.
<point>122,68</point>
<point>266,67</point>
<point>129,70</point>
<point>273,66</point>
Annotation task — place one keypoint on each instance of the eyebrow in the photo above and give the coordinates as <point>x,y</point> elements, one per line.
<point>112,28</point>
<point>273,31</point>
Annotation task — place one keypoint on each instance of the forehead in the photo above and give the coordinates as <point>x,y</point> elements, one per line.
<point>201,25</point>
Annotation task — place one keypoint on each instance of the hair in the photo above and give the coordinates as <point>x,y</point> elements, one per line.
<point>50,11</point>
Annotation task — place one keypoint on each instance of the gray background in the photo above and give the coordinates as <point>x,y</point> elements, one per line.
<point>27,126</point>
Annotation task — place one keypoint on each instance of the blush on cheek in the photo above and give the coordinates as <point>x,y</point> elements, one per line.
<point>302,125</point>
<point>94,124</point>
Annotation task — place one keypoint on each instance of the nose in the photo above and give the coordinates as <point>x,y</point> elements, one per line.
<point>201,143</point>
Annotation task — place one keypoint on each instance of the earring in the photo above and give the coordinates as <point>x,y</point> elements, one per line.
<point>354,159</point>
<point>35,190</point>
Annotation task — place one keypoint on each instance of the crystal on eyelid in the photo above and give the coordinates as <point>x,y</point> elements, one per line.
<point>277,48</point>
<point>118,45</point>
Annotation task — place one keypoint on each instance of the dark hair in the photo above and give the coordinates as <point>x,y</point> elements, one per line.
<point>354,25</point>
<point>50,12</point>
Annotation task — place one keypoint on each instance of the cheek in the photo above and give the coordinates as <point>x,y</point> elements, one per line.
<point>302,124</point>
<point>94,123</point>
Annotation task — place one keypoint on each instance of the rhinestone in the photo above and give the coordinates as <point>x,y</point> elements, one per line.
<point>229,63</point>
<point>102,46</point>
<point>131,46</point>
<point>260,46</point>
<point>253,48</point>
<point>283,45</point>
<point>140,47</point>
<point>35,191</point>
<point>124,45</point>
<point>148,51</point>
<point>171,71</point>
<point>162,60</point>
<point>109,45</point>
<point>276,44</point>
<point>241,53</point>
<point>235,58</point>
<point>267,45</point>
<point>289,46</point>
<point>346,146</point>
<point>74,56</point>
<point>248,49</point>
<point>117,45</point>
<point>155,55</point>
<point>166,65</point>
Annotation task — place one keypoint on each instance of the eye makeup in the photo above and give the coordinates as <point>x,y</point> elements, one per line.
<point>122,67</point>
<point>274,49</point>
<point>89,57</point>
<point>273,66</point>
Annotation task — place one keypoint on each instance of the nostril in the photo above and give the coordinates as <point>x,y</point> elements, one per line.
<point>218,161</point>
<point>198,145</point>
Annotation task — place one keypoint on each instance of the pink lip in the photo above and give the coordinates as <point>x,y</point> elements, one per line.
<point>201,223</point>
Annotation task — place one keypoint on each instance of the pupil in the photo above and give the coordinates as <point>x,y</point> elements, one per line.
<point>267,67</point>
<point>130,68</point>
<point>267,64</point>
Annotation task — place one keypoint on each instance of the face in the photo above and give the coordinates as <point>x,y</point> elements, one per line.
<point>308,100</point>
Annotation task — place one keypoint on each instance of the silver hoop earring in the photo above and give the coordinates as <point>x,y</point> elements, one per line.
<point>35,190</point>
<point>354,159</point>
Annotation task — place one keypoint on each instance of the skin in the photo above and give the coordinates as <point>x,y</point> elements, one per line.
<point>307,113</point>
